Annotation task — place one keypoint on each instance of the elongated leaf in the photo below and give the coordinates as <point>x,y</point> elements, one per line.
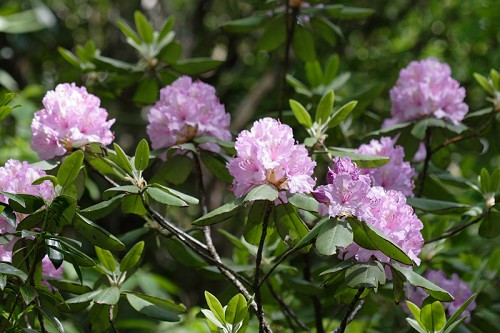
<point>369,237</point>
<point>184,197</point>
<point>143,27</point>
<point>215,307</point>
<point>253,225</point>
<point>164,197</point>
<point>438,206</point>
<point>195,66</point>
<point>132,257</point>
<point>102,209</point>
<point>432,315</point>
<point>418,281</point>
<point>154,307</point>
<point>305,202</point>
<point>236,310</point>
<point>262,192</point>
<point>216,164</point>
<point>128,31</point>
<point>301,114</point>
<point>28,293</point>
<point>141,159</point>
<point>290,227</point>
<point>362,160</point>
<point>368,275</point>
<point>69,169</point>
<point>460,310</point>
<point>106,259</point>
<point>97,235</point>
<point>87,297</point>
<point>325,107</point>
<point>30,203</point>
<point>244,25</point>
<point>341,114</point>
<point>303,44</point>
<point>7,269</point>
<point>339,267</point>
<point>313,233</point>
<point>123,159</point>
<point>53,320</point>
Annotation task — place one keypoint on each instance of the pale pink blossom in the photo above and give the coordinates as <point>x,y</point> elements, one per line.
<point>426,89</point>
<point>70,116</point>
<point>268,154</point>
<point>396,174</point>
<point>186,110</point>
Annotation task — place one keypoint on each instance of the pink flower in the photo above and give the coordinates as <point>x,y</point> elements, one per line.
<point>70,115</point>
<point>426,89</point>
<point>268,154</point>
<point>420,154</point>
<point>389,213</point>
<point>187,109</point>
<point>345,190</point>
<point>396,174</point>
<point>17,177</point>
<point>456,287</point>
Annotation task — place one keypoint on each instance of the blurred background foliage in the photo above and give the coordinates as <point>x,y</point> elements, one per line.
<point>371,48</point>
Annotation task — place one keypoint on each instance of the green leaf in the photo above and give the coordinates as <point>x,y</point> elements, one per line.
<point>124,188</point>
<point>70,286</point>
<point>361,160</point>
<point>236,310</point>
<point>30,203</point>
<point>123,159</point>
<point>332,235</point>
<point>220,214</point>
<point>216,164</point>
<point>28,293</point>
<point>331,69</point>
<point>301,114</point>
<point>106,259</point>
<point>460,310</point>
<point>183,254</point>
<point>69,56</point>
<point>167,27</point>
<point>96,235</point>
<point>437,206</point>
<point>132,257</point>
<point>102,209</point>
<point>418,281</point>
<point>175,170</point>
<point>355,12</point>
<point>53,320</point>
<point>274,35</point>
<point>7,269</point>
<point>128,31</point>
<point>215,307</point>
<point>290,227</point>
<point>87,297</point>
<point>325,107</point>
<point>368,275</point>
<point>253,225</point>
<point>141,159</point>
<point>244,25</point>
<point>490,227</point>
<point>453,327</point>
<point>69,169</point>
<point>147,91</point>
<point>398,285</point>
<point>483,82</point>
<point>485,180</point>
<point>184,197</point>
<point>52,179</point>
<point>415,311</point>
<point>413,323</point>
<point>143,27</point>
<point>303,44</point>
<point>370,238</point>
<point>432,315</point>
<point>10,217</point>
<point>304,202</point>
<point>341,113</point>
<point>195,66</point>
<point>311,234</point>
<point>109,296</point>
<point>132,204</point>
<point>164,197</point>
<point>314,73</point>
<point>262,192</point>
<point>339,267</point>
<point>161,309</point>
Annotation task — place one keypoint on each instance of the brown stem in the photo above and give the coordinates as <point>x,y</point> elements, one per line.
<point>428,155</point>
<point>456,230</point>
<point>287,309</point>
<point>351,312</point>
<point>258,260</point>
<point>111,319</point>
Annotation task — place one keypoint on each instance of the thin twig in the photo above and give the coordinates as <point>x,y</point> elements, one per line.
<point>111,319</point>
<point>428,155</point>
<point>290,28</point>
<point>258,260</point>
<point>351,312</point>
<point>287,309</point>
<point>456,230</point>
<point>318,309</point>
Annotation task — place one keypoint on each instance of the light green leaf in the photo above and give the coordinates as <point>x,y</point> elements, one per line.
<point>325,107</point>
<point>215,307</point>
<point>105,258</point>
<point>332,235</point>
<point>262,192</point>
<point>164,197</point>
<point>220,214</point>
<point>109,296</point>
<point>301,114</point>
<point>123,159</point>
<point>141,159</point>
<point>432,315</point>
<point>342,113</point>
<point>69,169</point>
<point>132,257</point>
<point>236,310</point>
<point>143,27</point>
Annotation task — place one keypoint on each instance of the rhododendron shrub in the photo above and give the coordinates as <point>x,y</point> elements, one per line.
<point>274,188</point>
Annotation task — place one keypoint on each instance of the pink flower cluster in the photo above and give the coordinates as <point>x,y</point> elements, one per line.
<point>185,110</point>
<point>396,174</point>
<point>426,89</point>
<point>456,287</point>
<point>268,154</point>
<point>70,115</point>
<point>17,177</point>
<point>349,193</point>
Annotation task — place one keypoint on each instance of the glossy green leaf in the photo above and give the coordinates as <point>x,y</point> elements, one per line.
<point>143,27</point>
<point>490,227</point>
<point>8,269</point>
<point>304,202</point>
<point>334,234</point>
<point>236,310</point>
<point>69,169</point>
<point>128,31</point>
<point>106,259</point>
<point>301,114</point>
<point>123,159</point>
<point>438,206</point>
<point>312,233</point>
<point>432,315</point>
<point>132,204</point>
<point>215,306</point>
<point>132,257</point>
<point>147,91</point>
<point>220,214</point>
<point>102,209</point>
<point>164,197</point>
<point>342,113</point>
<point>161,309</point>
<point>141,158</point>
<point>253,226</point>
<point>216,164</point>
<point>325,107</point>
<point>109,296</point>
<point>28,293</point>
<point>361,160</point>
<point>97,235</point>
<point>460,310</point>
<point>290,227</point>
<point>368,275</point>
<point>262,192</point>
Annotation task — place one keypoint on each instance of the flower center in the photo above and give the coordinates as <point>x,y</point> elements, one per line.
<point>273,179</point>
<point>189,133</point>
